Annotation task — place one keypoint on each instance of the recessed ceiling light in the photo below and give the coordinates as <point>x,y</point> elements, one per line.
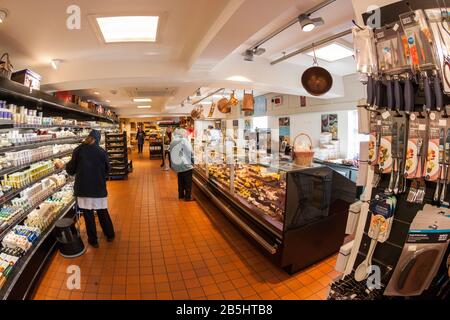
<point>142,100</point>
<point>332,52</point>
<point>129,28</point>
<point>239,79</point>
<point>96,93</point>
<point>107,100</point>
<point>55,63</point>
<point>144,107</point>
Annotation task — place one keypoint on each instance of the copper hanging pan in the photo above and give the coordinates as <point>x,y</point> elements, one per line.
<point>316,80</point>
<point>223,105</point>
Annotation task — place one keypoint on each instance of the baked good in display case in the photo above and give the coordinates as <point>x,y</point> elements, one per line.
<point>220,173</point>
<point>263,189</point>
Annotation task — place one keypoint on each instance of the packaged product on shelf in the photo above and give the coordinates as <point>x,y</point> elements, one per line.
<point>393,54</point>
<point>43,216</point>
<point>435,150</point>
<point>422,254</point>
<point>21,237</point>
<point>420,41</point>
<point>366,59</point>
<point>375,138</point>
<point>385,148</point>
<point>442,40</point>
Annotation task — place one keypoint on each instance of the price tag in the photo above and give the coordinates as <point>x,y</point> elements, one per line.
<point>385,115</point>
<point>379,122</point>
<point>442,122</point>
<point>407,20</point>
<point>422,127</point>
<point>395,27</point>
<point>380,35</point>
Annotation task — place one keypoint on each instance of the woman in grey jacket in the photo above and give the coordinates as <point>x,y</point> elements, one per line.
<point>181,158</point>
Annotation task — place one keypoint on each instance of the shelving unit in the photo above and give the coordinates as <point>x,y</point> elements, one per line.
<point>156,145</point>
<point>26,272</point>
<point>34,145</point>
<point>23,279</point>
<point>116,147</point>
<point>26,165</point>
<point>48,104</point>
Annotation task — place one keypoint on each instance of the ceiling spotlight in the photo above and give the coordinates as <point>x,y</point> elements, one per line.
<point>96,93</point>
<point>188,99</point>
<point>107,100</point>
<point>3,15</point>
<point>309,24</point>
<point>259,51</point>
<point>182,104</point>
<point>250,53</point>
<point>55,63</point>
<point>198,93</point>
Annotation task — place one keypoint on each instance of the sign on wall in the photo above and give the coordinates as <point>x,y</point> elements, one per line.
<point>277,101</point>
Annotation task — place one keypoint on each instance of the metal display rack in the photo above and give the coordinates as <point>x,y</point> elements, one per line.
<point>156,146</point>
<point>116,147</point>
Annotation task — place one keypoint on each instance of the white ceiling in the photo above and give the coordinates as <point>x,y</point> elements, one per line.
<point>200,43</point>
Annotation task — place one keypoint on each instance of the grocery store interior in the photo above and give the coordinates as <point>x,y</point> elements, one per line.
<point>224,150</point>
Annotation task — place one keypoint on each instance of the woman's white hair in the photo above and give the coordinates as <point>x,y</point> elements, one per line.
<point>180,133</point>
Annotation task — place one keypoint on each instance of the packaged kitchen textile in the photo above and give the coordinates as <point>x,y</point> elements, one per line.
<point>433,150</point>
<point>422,254</point>
<point>417,143</point>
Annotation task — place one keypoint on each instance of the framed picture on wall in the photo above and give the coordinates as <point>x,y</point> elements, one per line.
<point>247,124</point>
<point>330,124</point>
<point>302,101</point>
<point>284,133</point>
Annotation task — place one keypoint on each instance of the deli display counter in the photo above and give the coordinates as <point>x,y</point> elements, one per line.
<point>296,215</point>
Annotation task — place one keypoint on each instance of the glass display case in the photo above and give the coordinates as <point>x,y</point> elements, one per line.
<point>296,213</point>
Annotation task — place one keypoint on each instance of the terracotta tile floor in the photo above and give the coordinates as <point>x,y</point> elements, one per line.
<point>166,249</point>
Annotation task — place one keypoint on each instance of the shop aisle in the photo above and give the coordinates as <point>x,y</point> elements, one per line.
<point>167,249</point>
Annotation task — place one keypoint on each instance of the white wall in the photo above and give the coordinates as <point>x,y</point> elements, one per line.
<point>310,123</point>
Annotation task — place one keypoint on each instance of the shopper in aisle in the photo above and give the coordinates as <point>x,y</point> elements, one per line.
<point>181,158</point>
<point>140,137</point>
<point>90,165</point>
<point>167,139</point>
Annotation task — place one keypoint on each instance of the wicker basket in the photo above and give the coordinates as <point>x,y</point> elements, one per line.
<point>6,67</point>
<point>303,157</point>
